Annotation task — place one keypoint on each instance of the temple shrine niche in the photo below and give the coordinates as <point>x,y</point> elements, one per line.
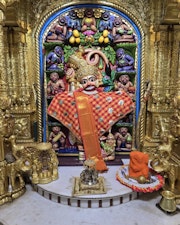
<point>106,39</point>
<point>127,50</point>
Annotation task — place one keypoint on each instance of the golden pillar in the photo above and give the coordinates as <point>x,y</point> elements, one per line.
<point>4,100</point>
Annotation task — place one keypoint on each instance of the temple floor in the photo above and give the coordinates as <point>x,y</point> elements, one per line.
<point>53,204</point>
<point>62,190</point>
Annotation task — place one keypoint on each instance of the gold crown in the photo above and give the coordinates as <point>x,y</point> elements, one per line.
<point>75,60</point>
<point>83,68</point>
<point>86,70</point>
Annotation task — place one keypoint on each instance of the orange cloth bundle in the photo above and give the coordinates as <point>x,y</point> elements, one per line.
<point>100,165</point>
<point>89,133</point>
<point>138,165</point>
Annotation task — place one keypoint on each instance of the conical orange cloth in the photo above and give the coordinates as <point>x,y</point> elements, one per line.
<point>138,165</point>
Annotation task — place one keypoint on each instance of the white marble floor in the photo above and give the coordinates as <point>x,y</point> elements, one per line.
<point>62,190</point>
<point>34,209</point>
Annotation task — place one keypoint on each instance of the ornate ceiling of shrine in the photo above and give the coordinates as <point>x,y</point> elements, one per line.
<point>165,11</point>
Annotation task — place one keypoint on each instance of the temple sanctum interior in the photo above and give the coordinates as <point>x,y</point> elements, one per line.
<point>89,112</point>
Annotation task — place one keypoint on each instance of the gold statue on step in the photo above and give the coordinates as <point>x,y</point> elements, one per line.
<point>167,161</point>
<point>38,161</point>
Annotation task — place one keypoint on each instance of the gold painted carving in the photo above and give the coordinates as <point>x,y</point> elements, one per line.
<point>167,160</point>
<point>38,160</point>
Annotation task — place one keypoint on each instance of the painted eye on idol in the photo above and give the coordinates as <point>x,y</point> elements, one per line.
<point>89,79</point>
<point>92,79</point>
<point>84,81</point>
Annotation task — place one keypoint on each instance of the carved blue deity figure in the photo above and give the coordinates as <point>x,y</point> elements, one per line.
<point>55,59</point>
<point>73,23</point>
<point>124,62</point>
<point>105,22</point>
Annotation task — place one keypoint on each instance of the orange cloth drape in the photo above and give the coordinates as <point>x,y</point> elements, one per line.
<point>88,128</point>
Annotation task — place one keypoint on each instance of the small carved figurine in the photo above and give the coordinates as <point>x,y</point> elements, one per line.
<point>73,23</point>
<point>123,139</point>
<point>105,22</point>
<point>124,83</point>
<point>121,32</point>
<point>108,145</point>
<point>45,165</point>
<point>55,59</point>
<point>124,62</point>
<point>138,165</point>
<point>58,32</point>
<point>55,84</point>
<point>57,138</point>
<point>105,26</point>
<point>89,23</point>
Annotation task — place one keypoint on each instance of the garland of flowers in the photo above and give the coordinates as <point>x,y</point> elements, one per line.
<point>145,188</point>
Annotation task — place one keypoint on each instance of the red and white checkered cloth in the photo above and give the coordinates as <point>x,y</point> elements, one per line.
<point>108,108</point>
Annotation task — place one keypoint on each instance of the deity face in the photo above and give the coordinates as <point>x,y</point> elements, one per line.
<point>120,53</point>
<point>117,22</point>
<point>62,21</point>
<point>56,129</point>
<point>124,79</point>
<point>89,13</point>
<point>110,140</point>
<point>89,83</point>
<point>106,15</point>
<point>54,76</point>
<point>73,14</point>
<point>123,131</point>
<point>58,50</point>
